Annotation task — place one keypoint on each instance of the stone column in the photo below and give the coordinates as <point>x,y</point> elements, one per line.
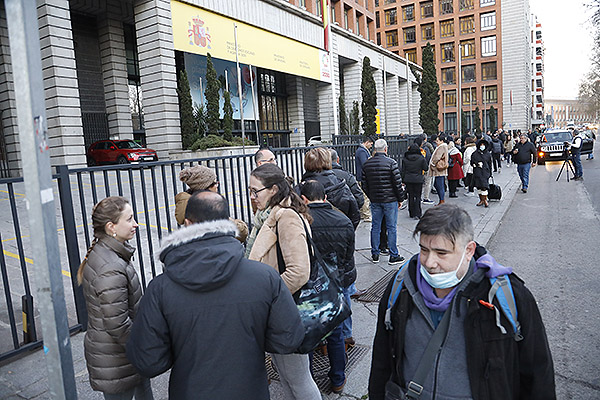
<point>159,79</point>
<point>393,106</point>
<point>378,76</point>
<point>61,88</point>
<point>295,108</point>
<point>415,104</point>
<point>404,111</point>
<point>114,72</point>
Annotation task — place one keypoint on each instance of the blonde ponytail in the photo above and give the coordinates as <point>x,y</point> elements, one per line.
<point>84,262</point>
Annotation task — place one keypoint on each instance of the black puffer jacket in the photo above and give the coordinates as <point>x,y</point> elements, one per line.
<point>482,166</point>
<point>413,167</point>
<point>338,193</point>
<point>381,180</point>
<point>211,316</point>
<point>112,294</point>
<point>332,231</point>
<point>350,181</point>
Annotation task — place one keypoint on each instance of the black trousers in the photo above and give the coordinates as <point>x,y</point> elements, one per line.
<point>414,198</point>
<point>453,184</point>
<point>497,161</point>
<point>469,182</point>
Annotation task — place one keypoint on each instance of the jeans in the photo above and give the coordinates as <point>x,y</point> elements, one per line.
<point>414,199</point>
<point>523,170</point>
<point>378,211</point>
<point>440,186</point>
<point>427,187</point>
<point>336,352</point>
<point>577,164</point>
<point>294,374</point>
<point>143,391</point>
<point>347,323</point>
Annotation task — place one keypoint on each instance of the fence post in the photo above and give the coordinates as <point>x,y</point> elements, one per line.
<point>70,229</point>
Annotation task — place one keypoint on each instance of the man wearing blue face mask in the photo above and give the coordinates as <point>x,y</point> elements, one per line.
<point>439,332</point>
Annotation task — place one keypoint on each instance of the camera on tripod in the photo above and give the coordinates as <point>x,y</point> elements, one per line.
<point>566,149</point>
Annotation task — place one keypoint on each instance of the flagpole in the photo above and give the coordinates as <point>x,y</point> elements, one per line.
<point>459,95</point>
<point>254,105</point>
<point>329,47</point>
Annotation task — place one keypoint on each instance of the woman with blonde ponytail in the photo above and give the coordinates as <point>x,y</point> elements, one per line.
<point>112,294</point>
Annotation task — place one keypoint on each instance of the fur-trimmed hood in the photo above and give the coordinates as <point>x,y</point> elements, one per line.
<point>202,256</point>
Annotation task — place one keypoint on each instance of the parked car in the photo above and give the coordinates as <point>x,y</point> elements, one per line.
<point>118,152</point>
<point>551,145</point>
<point>314,141</point>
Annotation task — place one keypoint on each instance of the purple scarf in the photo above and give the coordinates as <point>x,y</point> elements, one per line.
<point>441,304</point>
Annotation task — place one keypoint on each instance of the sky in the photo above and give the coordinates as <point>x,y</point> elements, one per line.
<point>568,40</point>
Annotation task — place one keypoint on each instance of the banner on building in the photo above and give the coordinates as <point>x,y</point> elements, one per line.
<point>199,31</point>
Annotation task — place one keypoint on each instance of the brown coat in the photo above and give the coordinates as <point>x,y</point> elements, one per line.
<point>112,294</point>
<point>292,240</point>
<point>440,152</point>
<point>181,200</point>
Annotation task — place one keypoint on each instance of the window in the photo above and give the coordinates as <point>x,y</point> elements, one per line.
<point>391,38</point>
<point>377,24</point>
<point>411,55</point>
<point>465,5</point>
<point>369,26</point>
<point>378,39</point>
<point>467,49</point>
<point>488,46</point>
<point>538,83</point>
<point>538,67</point>
<point>376,3</point>
<point>391,17</point>
<point>357,19</point>
<point>467,24</point>
<point>448,76</point>
<point>488,71</point>
<point>427,9</point>
<point>490,94</point>
<point>538,98</point>
<point>450,98</point>
<point>427,32</point>
<point>538,51</point>
<point>469,97</point>
<point>273,101</point>
<point>408,13</point>
<point>389,1</point>
<point>319,8</point>
<point>450,122</point>
<point>538,35</point>
<point>446,7</point>
<point>346,18</point>
<point>447,28</point>
<point>488,21</point>
<point>447,52</point>
<point>484,3</point>
<point>409,35</point>
<point>468,73</point>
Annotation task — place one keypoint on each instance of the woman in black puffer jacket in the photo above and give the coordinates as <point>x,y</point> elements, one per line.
<point>414,167</point>
<point>481,160</point>
<point>112,295</point>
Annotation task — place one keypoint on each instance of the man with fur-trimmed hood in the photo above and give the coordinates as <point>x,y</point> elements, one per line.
<point>212,314</point>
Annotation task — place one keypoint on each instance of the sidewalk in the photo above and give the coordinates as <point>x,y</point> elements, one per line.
<point>25,378</point>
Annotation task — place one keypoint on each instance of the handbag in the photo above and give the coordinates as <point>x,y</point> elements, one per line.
<point>441,164</point>
<point>321,303</point>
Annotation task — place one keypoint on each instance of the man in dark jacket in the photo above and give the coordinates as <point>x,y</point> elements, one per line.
<point>383,186</point>
<point>333,232</point>
<point>212,314</point>
<point>481,356</point>
<point>524,155</point>
<point>413,172</point>
<point>348,177</point>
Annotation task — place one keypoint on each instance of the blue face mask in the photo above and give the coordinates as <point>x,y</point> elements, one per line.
<point>444,280</point>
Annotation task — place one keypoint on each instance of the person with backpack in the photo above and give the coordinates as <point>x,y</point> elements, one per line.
<point>497,153</point>
<point>453,323</point>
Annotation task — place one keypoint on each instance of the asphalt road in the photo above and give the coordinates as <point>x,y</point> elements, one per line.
<point>549,236</point>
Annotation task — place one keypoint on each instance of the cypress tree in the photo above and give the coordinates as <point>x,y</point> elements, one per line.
<point>493,123</point>
<point>369,99</point>
<point>430,94</point>
<point>212,97</point>
<point>186,111</point>
<point>354,119</point>
<point>477,121</point>
<point>227,117</point>
<point>343,117</point>
<point>199,121</point>
<point>463,122</point>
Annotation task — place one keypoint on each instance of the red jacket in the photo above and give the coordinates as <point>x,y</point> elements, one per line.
<point>456,171</point>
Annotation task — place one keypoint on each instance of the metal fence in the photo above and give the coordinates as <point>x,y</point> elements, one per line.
<point>151,190</point>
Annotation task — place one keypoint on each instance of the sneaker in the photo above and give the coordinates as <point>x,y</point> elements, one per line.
<point>524,190</point>
<point>375,258</point>
<point>395,260</point>
<point>469,194</point>
<point>338,389</point>
<point>404,204</point>
<point>384,252</point>
<point>426,201</point>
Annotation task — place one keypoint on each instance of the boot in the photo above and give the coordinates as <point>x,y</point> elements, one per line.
<point>485,201</point>
<point>441,202</point>
<point>481,201</point>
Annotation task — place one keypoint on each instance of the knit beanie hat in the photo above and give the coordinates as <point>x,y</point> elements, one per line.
<point>198,177</point>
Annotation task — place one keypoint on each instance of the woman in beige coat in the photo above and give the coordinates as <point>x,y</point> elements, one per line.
<point>112,295</point>
<point>438,167</point>
<point>281,217</point>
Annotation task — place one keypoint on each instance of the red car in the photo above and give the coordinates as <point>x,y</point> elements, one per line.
<point>118,152</point>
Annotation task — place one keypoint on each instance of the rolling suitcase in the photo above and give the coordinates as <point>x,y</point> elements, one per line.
<point>495,191</point>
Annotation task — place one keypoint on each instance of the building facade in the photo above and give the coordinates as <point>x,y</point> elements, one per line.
<point>537,78</point>
<point>562,112</point>
<point>481,52</point>
<point>111,68</point>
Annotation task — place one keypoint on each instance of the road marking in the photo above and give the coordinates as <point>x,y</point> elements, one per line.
<point>30,261</point>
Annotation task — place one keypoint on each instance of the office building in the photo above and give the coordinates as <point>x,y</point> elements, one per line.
<point>537,78</point>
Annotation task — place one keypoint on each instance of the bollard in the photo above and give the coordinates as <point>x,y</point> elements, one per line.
<point>28,316</point>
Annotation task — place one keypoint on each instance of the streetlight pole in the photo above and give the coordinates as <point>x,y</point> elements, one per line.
<point>459,95</point>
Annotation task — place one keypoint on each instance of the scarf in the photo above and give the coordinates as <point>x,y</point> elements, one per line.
<point>259,219</point>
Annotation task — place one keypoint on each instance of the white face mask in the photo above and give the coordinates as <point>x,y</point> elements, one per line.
<point>444,280</point>
<point>482,148</point>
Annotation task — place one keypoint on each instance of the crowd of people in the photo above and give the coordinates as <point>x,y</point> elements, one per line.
<point>228,294</point>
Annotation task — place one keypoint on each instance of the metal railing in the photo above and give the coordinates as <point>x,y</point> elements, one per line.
<point>151,189</point>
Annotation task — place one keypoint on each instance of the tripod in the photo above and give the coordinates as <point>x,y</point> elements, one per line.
<point>569,165</point>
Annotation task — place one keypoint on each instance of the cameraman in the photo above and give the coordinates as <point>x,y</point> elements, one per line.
<point>576,154</point>
<point>524,156</point>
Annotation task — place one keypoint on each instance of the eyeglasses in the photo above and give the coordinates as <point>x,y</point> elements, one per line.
<point>254,192</point>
